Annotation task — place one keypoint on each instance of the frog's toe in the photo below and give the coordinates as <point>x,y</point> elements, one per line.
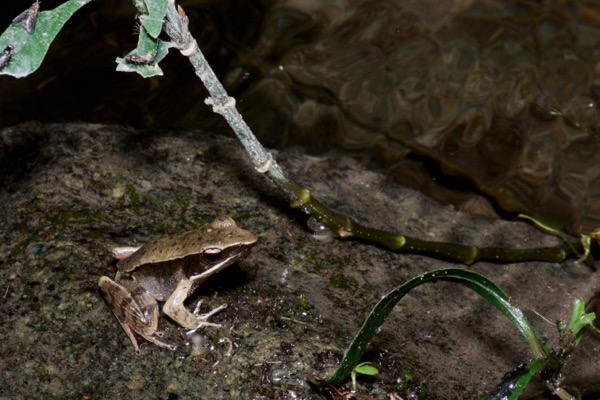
<point>205,317</point>
<point>203,324</point>
<point>153,339</point>
<point>197,309</point>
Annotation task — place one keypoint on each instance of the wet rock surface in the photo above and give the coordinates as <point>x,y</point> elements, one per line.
<point>70,193</point>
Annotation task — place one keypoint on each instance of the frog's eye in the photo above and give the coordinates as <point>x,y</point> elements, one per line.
<point>213,255</point>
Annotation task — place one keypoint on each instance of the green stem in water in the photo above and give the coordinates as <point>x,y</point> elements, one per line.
<point>345,226</point>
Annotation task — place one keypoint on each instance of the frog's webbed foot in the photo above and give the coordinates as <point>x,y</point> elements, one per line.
<point>135,309</point>
<point>203,318</point>
<point>139,339</point>
<point>175,309</point>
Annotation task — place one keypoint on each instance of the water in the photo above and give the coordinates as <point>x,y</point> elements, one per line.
<point>503,94</point>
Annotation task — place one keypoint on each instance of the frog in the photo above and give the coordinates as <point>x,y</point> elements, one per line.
<point>169,270</point>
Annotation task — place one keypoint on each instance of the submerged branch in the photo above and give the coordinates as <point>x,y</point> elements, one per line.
<point>176,27</point>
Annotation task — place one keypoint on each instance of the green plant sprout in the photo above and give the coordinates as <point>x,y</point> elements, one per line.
<point>571,334</point>
<point>158,16</point>
<point>584,252</point>
<point>586,243</point>
<point>364,368</point>
<point>546,361</point>
<point>303,303</point>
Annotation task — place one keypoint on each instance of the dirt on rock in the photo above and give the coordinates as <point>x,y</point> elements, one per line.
<point>70,193</point>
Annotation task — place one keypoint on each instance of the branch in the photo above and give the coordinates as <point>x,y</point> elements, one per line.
<point>176,27</point>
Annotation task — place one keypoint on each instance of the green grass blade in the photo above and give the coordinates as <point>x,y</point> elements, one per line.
<point>30,49</point>
<point>516,381</point>
<point>480,284</point>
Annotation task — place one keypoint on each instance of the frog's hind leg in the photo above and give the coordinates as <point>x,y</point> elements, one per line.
<point>135,309</point>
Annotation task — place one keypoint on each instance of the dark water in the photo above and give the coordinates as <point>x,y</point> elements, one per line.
<point>503,94</point>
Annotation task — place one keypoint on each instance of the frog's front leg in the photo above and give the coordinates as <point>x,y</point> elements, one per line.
<point>174,307</point>
<point>135,309</point>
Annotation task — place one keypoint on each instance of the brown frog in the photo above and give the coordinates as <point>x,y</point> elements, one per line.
<point>168,270</point>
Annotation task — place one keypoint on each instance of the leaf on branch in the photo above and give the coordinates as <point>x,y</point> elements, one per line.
<point>153,21</point>
<point>30,49</point>
<point>146,56</point>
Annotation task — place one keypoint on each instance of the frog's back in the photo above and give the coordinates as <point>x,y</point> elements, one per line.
<point>218,235</point>
<point>163,249</point>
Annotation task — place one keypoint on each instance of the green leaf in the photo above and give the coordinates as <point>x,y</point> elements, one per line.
<point>146,46</point>
<point>30,49</point>
<point>516,381</point>
<point>366,368</point>
<point>153,21</point>
<point>579,320</point>
<point>578,311</point>
<point>480,284</point>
